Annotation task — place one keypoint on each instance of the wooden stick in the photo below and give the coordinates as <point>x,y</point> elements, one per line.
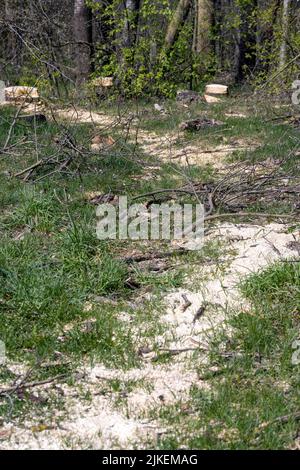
<point>32,167</point>
<point>249,214</point>
<point>22,386</point>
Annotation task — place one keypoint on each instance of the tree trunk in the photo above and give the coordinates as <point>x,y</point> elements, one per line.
<point>245,42</point>
<point>11,40</point>
<point>238,54</point>
<point>131,8</point>
<point>285,26</point>
<point>178,19</point>
<point>203,25</point>
<point>83,40</point>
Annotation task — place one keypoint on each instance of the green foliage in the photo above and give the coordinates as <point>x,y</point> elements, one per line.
<point>246,39</point>
<point>145,67</point>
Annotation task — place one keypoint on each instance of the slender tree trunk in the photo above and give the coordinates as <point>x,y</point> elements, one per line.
<point>178,19</point>
<point>221,34</point>
<point>245,43</point>
<point>265,33</point>
<point>203,25</point>
<point>285,26</point>
<point>131,8</point>
<point>11,40</point>
<point>238,55</point>
<point>83,40</point>
<point>260,30</point>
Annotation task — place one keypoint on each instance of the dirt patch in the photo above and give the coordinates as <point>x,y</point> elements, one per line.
<point>161,147</point>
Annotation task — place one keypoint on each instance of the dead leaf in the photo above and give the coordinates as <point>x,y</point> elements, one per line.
<point>41,428</point>
<point>100,142</point>
<point>96,198</point>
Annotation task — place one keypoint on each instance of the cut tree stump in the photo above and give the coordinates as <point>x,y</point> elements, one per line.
<point>214,89</point>
<point>33,118</point>
<point>100,142</point>
<point>188,97</point>
<point>211,99</point>
<point>21,94</point>
<point>105,82</point>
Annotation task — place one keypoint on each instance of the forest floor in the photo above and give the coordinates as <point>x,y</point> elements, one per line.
<point>126,344</point>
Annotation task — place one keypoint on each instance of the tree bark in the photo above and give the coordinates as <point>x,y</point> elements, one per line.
<point>245,42</point>
<point>83,36</point>
<point>285,26</point>
<point>131,8</point>
<point>178,19</point>
<point>11,40</point>
<point>203,25</point>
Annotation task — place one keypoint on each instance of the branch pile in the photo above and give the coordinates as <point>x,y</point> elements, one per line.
<point>241,187</point>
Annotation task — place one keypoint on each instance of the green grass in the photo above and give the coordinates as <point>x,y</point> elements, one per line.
<point>52,266</point>
<point>273,139</point>
<point>255,383</point>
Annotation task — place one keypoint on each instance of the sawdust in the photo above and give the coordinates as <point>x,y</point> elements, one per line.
<point>166,148</point>
<point>163,148</point>
<point>256,247</point>
<point>77,116</point>
<point>103,423</point>
<point>99,424</point>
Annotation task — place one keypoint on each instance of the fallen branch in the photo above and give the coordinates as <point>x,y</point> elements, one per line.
<point>11,146</point>
<point>172,352</point>
<point>151,256</point>
<point>187,302</point>
<point>12,128</point>
<point>249,214</point>
<point>23,386</point>
<point>279,420</point>
<point>161,191</point>
<point>30,168</point>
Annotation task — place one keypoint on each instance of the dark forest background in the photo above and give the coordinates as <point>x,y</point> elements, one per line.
<point>149,46</point>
